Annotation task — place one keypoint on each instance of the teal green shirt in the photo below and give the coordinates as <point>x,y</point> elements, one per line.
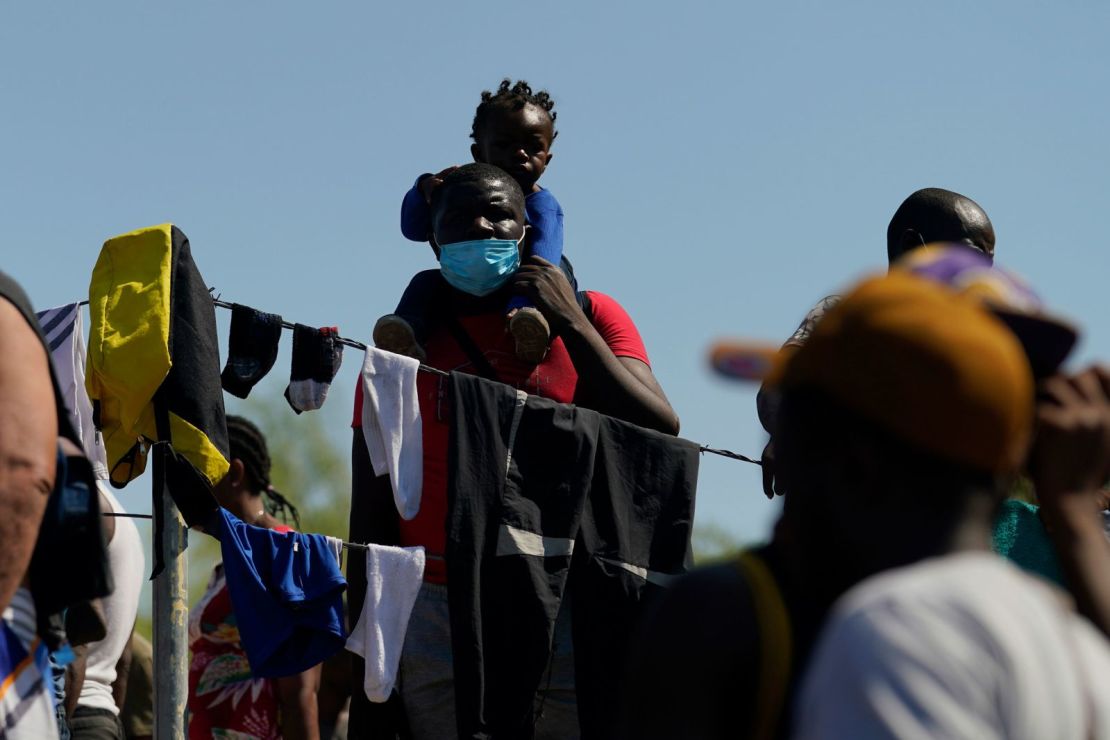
<point>1020,536</point>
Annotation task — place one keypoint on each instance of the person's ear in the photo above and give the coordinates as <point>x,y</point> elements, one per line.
<point>474,152</point>
<point>236,473</point>
<point>907,242</point>
<point>549,158</point>
<point>911,240</point>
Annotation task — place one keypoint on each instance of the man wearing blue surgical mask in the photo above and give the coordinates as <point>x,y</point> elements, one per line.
<point>478,229</point>
<point>596,360</point>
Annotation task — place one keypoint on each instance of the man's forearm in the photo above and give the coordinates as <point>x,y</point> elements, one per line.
<point>123,673</point>
<point>28,445</point>
<point>606,384</point>
<point>1084,555</point>
<point>75,677</point>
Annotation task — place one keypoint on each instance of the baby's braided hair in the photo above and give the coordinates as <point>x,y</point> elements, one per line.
<point>513,96</point>
<point>247,444</point>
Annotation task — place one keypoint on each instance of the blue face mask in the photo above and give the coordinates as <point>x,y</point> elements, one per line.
<point>479,266</point>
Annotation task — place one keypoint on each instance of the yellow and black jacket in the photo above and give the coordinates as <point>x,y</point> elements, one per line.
<point>153,370</point>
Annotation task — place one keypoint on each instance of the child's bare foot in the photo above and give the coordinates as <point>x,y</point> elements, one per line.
<point>393,334</point>
<point>532,334</point>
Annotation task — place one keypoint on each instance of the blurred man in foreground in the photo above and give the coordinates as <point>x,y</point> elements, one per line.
<point>931,400</point>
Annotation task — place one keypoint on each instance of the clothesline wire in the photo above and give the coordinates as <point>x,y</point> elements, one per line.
<point>436,371</point>
<point>729,454</point>
<point>347,545</point>
<point>342,340</point>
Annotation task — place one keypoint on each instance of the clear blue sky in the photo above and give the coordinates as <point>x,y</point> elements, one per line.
<point>721,166</point>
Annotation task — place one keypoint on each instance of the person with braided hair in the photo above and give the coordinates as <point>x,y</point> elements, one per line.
<point>224,697</point>
<point>513,130</point>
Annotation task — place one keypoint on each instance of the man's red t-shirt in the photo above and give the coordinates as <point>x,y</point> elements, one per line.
<point>554,378</point>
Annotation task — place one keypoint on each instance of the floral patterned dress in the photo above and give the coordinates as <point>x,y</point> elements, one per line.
<point>225,700</point>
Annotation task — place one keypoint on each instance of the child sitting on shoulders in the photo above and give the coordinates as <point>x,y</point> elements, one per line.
<point>513,129</point>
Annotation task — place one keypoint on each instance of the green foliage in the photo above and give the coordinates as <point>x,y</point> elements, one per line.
<point>311,469</point>
<point>713,543</point>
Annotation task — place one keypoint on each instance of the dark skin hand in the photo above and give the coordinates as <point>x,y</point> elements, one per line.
<point>622,387</point>
<point>429,184</point>
<point>1070,465</point>
<point>772,483</point>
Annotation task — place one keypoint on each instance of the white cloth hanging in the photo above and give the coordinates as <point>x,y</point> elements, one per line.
<point>336,546</point>
<point>125,558</point>
<point>392,426</point>
<point>393,578</point>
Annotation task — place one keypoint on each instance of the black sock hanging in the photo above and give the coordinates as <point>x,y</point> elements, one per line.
<point>317,355</point>
<point>252,349</point>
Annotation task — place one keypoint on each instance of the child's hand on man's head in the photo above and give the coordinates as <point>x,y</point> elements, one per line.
<point>429,184</point>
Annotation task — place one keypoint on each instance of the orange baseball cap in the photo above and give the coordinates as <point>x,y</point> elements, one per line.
<point>933,367</point>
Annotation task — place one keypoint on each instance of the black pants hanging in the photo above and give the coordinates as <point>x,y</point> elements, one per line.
<point>546,497</point>
<point>633,539</point>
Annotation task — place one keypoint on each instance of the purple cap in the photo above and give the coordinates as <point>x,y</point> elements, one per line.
<point>1047,339</point>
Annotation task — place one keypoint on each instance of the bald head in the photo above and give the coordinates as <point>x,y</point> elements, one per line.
<point>938,215</point>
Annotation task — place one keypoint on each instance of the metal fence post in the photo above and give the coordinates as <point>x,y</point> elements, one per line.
<point>171,614</point>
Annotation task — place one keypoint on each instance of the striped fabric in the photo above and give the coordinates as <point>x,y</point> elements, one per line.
<point>57,324</point>
<point>26,697</point>
<point>63,328</point>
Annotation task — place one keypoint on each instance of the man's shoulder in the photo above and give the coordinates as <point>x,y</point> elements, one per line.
<point>812,319</point>
<point>964,578</point>
<point>959,641</point>
<point>967,598</point>
<point>601,304</point>
<point>615,326</point>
